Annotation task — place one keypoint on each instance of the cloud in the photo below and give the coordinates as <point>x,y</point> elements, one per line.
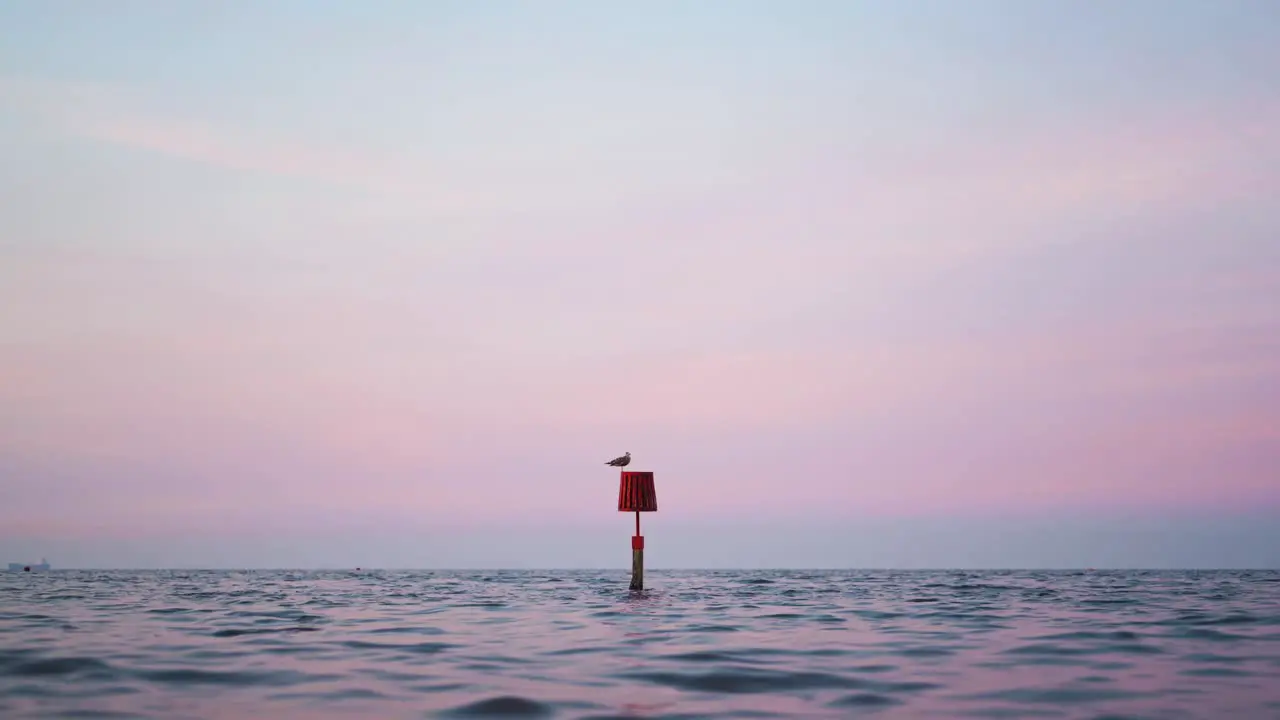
<point>972,192</point>
<point>901,195</point>
<point>477,172</point>
<point>131,119</point>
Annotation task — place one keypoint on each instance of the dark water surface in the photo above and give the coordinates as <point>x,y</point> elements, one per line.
<point>285,644</point>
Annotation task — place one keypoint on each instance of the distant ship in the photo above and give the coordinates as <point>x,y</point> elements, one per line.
<point>21,567</point>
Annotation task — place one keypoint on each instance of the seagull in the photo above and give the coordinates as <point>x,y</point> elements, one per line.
<point>623,461</point>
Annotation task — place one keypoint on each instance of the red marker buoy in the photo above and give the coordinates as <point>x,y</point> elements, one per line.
<point>636,494</point>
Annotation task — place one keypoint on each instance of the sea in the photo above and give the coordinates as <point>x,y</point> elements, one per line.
<point>286,644</point>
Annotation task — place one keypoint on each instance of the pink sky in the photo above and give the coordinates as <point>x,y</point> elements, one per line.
<point>826,295</point>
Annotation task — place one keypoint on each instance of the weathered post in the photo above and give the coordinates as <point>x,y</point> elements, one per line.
<point>636,494</point>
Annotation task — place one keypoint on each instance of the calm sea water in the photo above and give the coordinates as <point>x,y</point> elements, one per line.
<point>697,644</point>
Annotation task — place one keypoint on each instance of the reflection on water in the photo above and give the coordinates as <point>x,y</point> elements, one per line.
<point>698,644</point>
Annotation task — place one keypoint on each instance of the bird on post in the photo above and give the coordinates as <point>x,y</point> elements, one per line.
<point>623,461</point>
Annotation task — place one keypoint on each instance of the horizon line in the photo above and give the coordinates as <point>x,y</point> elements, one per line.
<point>624,571</point>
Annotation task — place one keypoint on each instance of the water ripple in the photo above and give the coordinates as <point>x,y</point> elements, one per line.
<point>385,644</point>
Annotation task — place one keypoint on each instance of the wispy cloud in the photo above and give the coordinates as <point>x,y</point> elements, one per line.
<point>924,197</point>
<point>118,115</point>
<point>974,192</point>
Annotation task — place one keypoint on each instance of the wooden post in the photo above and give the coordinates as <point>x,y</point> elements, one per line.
<point>637,557</point>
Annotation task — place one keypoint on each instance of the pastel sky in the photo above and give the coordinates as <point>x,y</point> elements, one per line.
<point>869,284</point>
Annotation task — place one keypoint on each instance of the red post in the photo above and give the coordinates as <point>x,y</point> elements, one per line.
<point>636,494</point>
